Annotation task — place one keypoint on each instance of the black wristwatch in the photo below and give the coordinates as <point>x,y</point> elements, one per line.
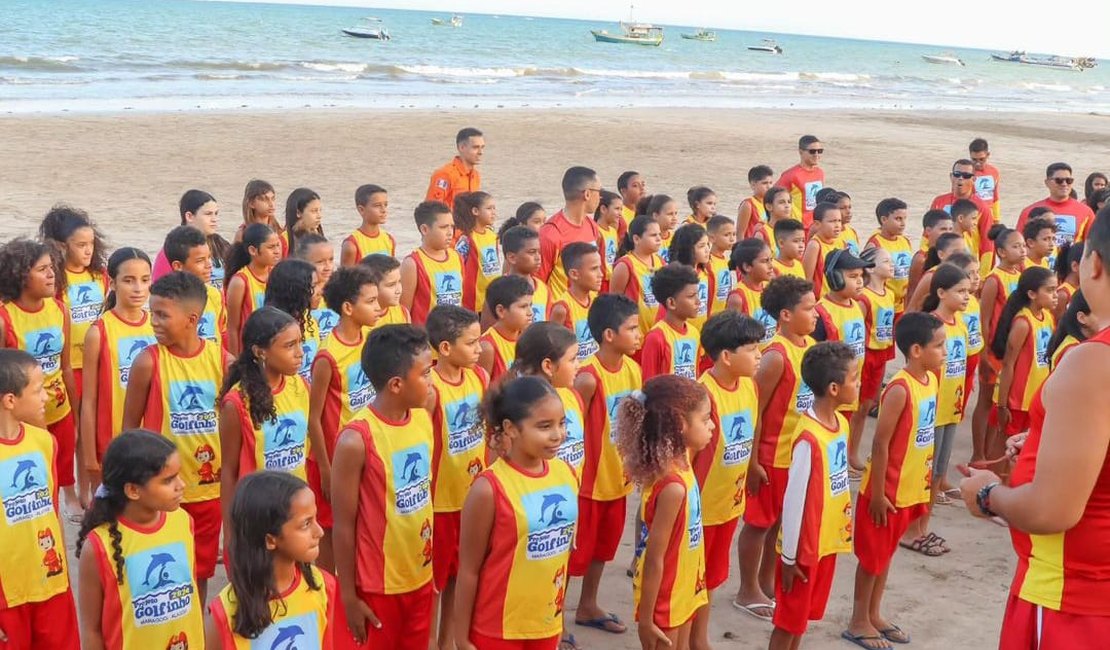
<point>983,499</point>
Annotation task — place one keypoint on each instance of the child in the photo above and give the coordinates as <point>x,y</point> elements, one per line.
<point>522,257</point>
<point>779,209</point>
<point>895,488</point>
<point>751,261</point>
<point>303,216</point>
<point>933,224</point>
<point>111,345</point>
<point>433,273</point>
<point>248,266</point>
<point>891,214</point>
<point>639,259</point>
<point>32,319</point>
<point>672,345</point>
<point>1040,241</point>
<point>609,224</point>
<point>291,290</point>
<point>186,249</point>
<point>135,549</point>
<point>502,602</point>
<point>826,239</point>
<point>632,187</point>
<point>604,380</point>
<point>877,302</point>
<point>584,272</point>
<point>732,341</point>
<point>388,271</point>
<point>849,237</point>
<point>38,609</point>
<point>690,247</point>
<point>783,397</point>
<point>722,239</point>
<point>664,210</point>
<point>200,210</point>
<point>475,213</point>
<point>276,584</point>
<point>172,391</point>
<point>658,431</point>
<point>973,320</point>
<point>703,205</point>
<point>815,526</point>
<point>259,206</point>
<point>1067,275</point>
<point>317,251</point>
<point>790,243</point>
<point>530,214</point>
<point>509,301</point>
<point>1074,327</point>
<point>753,212</point>
<point>946,245</point>
<point>372,204</point>
<point>383,529</point>
<point>965,214</point>
<point>459,446</point>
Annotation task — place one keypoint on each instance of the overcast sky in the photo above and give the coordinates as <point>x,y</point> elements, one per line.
<point>1075,27</point>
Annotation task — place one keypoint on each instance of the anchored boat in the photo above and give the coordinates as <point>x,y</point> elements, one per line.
<point>767,45</point>
<point>943,59</point>
<point>631,33</point>
<point>454,21</point>
<point>704,35</point>
<point>1076,64</point>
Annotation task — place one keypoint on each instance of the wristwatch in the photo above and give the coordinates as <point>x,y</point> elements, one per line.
<point>983,499</point>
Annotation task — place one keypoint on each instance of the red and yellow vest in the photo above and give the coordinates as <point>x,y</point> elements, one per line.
<point>901,255</point>
<point>43,335</point>
<point>504,352</point>
<point>366,245</point>
<point>820,286</point>
<point>83,298</point>
<point>724,279</point>
<point>795,268</point>
<point>603,472</point>
<point>481,264</point>
<point>541,299</point>
<point>1032,366</point>
<point>791,398</point>
<point>212,325</point>
<point>845,323</point>
<point>849,239</point>
<point>639,287</point>
<point>880,318</point>
<point>459,450</point>
<point>722,466</point>
<point>610,239</point>
<point>254,295</point>
<point>302,616</point>
<point>1065,346</point>
<point>973,321</point>
<point>573,449</point>
<point>438,282</point>
<point>827,519</point>
<point>121,342</point>
<point>578,322</point>
<point>751,300</point>
<point>668,351</point>
<point>1007,282</point>
<point>280,444</point>
<point>349,389</point>
<point>909,470</point>
<point>395,315</point>
<point>953,376</point>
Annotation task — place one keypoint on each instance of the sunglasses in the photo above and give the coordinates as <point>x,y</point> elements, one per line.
<point>1063,181</point>
<point>815,151</point>
<point>964,175</point>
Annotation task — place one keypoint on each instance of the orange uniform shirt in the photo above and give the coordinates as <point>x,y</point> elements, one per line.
<point>453,179</point>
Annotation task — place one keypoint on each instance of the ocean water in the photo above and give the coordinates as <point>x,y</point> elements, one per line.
<point>155,55</point>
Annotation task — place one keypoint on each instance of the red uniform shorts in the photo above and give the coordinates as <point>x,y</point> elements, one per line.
<point>806,600</point>
<point>406,621</point>
<point>489,643</point>
<point>874,370</point>
<point>718,552</point>
<point>65,434</point>
<point>445,547</point>
<point>765,508</point>
<point>874,545</point>
<point>1026,626</point>
<point>323,508</point>
<point>969,379</point>
<point>50,624</point>
<point>207,521</point>
<point>1019,421</point>
<point>600,525</point>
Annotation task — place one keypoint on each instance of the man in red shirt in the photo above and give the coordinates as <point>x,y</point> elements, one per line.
<point>987,178</point>
<point>963,187</point>
<point>582,193</point>
<point>805,179</point>
<point>461,174</point>
<point>1073,217</point>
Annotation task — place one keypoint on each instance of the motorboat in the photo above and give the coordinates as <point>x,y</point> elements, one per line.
<point>767,45</point>
<point>454,21</point>
<point>631,33</point>
<point>1076,64</point>
<point>943,58</point>
<point>372,29</point>
<point>704,35</point>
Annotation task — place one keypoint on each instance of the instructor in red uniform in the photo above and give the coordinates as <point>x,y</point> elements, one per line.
<point>582,193</point>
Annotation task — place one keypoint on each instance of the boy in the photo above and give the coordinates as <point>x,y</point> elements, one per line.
<point>459,446</point>
<point>965,214</point>
<point>1040,239</point>
<point>752,212</point>
<point>339,389</point>
<point>722,237</point>
<point>632,187</point>
<point>432,274</point>
<point>172,391</point>
<point>672,345</point>
<point>849,237</point>
<point>934,223</point>
<point>372,203</point>
<point>521,246</point>
<point>582,263</point>
<point>826,239</point>
<point>388,271</point>
<point>790,239</point>
<point>383,527</point>
<point>891,238</point>
<point>895,490</point>
<point>731,340</point>
<point>783,397</point>
<point>603,381</point>
<point>816,524</point>
<point>37,608</point>
<point>509,300</point>
<point>186,249</point>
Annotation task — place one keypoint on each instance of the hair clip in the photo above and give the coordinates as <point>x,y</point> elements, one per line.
<point>639,396</point>
<point>102,492</point>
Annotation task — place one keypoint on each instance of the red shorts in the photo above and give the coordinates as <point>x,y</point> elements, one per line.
<point>765,508</point>
<point>806,600</point>
<point>79,386</point>
<point>483,642</point>
<point>600,525</point>
<point>445,547</point>
<point>1026,626</point>
<point>718,552</point>
<point>873,373</point>
<point>49,624</point>
<point>969,378</point>
<point>1019,421</point>
<point>323,508</point>
<point>989,367</point>
<point>406,620</point>
<point>207,521</point>
<point>875,546</point>
<point>65,434</point>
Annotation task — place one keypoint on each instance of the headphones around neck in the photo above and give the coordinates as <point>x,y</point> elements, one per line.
<point>834,277</point>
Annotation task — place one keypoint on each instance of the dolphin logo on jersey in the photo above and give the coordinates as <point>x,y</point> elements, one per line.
<point>283,434</point>
<point>136,347</point>
<point>464,418</point>
<point>685,353</point>
<point>190,398</point>
<point>83,296</point>
<point>326,321</point>
<point>739,424</point>
<point>44,344</point>
<point>287,637</point>
<point>360,379</point>
<point>931,411</point>
<point>447,283</point>
<point>489,257</point>
<point>157,569</point>
<point>411,471</point>
<point>855,333</point>
<point>957,348</point>
<point>840,456</point>
<point>24,469</point>
<point>550,509</point>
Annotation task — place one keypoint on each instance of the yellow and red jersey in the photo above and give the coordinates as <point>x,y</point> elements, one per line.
<point>827,517</point>
<point>254,295</point>
<point>758,217</point>
<point>83,298</point>
<point>300,615</point>
<point>794,268</point>
<point>845,323</point>
<point>670,351</point>
<point>577,321</point>
<point>1065,346</point>
<point>459,445</point>
<point>639,287</point>
<point>365,245</point>
<point>1064,293</point>
<point>438,282</point>
<point>1007,282</point>
<point>504,352</point>
<point>901,255</point>
<point>790,399</point>
<point>724,279</point>
<point>610,244</point>
<point>909,470</point>
<point>722,466</point>
<point>849,239</point>
<point>42,334</point>
<point>121,342</point>
<point>953,377</point>
<point>973,321</point>
<point>573,449</point>
<point>212,325</point>
<point>820,286</point>
<point>541,299</point>
<point>879,317</point>
<point>349,389</point>
<point>751,304</point>
<point>481,264</point>
<point>280,444</point>
<point>804,184</point>
<point>393,315</point>
<point>603,471</point>
<point>1032,365</point>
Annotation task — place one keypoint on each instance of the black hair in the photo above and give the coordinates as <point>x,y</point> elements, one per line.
<point>290,289</point>
<point>1068,254</point>
<point>1035,225</point>
<point>364,192</point>
<point>514,238</point>
<point>999,233</point>
<point>888,206</point>
<point>57,227</point>
<point>573,254</point>
<point>823,209</point>
<point>978,145</point>
<point>1031,279</point>
<point>505,290</point>
<point>190,202</point>
<point>827,363</point>
<point>427,213</point>
<point>729,330</point>
<point>773,193</point>
<point>254,189</point>
<point>607,199</point>
<point>915,328</point>
<point>1056,167</point>
<point>463,210</point>
<point>759,172</point>
<point>465,134</point>
<point>511,400</point>
<point>962,259</point>
<point>15,367</point>
<point>17,258</point>
<point>247,371</point>
<point>697,194</point>
<point>254,236</point>
<point>784,293</point>
<point>746,251</point>
<point>181,287</point>
<point>575,180</point>
<point>932,217</point>
<point>134,457</point>
<point>525,210</point>
<point>669,280</point>
<point>945,277</point>
<point>807,140</point>
<point>542,341</point>
<point>380,265</point>
<point>1100,196</point>
<point>1089,192</point>
<point>637,228</point>
<point>391,351</point>
<point>685,239</point>
<point>608,312</point>
<point>1098,236</point>
<point>1038,211</point>
<point>296,203</point>
<point>786,227</point>
<point>944,242</point>
<point>962,162</point>
<point>656,204</point>
<point>180,242</point>
<point>963,207</point>
<point>262,506</point>
<point>117,259</point>
<point>345,285</point>
<point>1068,325</point>
<point>716,222</point>
<point>446,323</point>
<point>826,195</point>
<point>625,179</point>
<point>305,242</point>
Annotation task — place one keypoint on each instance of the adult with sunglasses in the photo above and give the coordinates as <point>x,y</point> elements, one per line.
<point>963,179</point>
<point>1073,217</point>
<point>574,223</point>
<point>805,179</point>
<point>987,178</point>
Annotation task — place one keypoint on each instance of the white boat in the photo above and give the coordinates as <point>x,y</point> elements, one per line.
<point>1076,64</point>
<point>631,33</point>
<point>455,21</point>
<point>767,45</point>
<point>704,35</point>
<point>372,30</point>
<point>944,58</point>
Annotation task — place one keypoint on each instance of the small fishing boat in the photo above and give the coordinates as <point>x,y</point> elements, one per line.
<point>767,45</point>
<point>943,58</point>
<point>631,33</point>
<point>704,35</point>
<point>1075,64</point>
<point>372,29</point>
<point>455,21</point>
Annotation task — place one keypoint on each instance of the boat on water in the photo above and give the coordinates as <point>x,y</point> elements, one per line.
<point>767,45</point>
<point>704,35</point>
<point>631,33</point>
<point>454,21</point>
<point>372,29</point>
<point>1076,64</point>
<point>944,58</point>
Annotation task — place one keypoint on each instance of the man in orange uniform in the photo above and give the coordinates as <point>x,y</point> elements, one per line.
<point>461,174</point>
<point>582,193</point>
<point>805,179</point>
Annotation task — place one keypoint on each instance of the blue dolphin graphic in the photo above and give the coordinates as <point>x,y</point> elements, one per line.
<point>463,417</point>
<point>736,434</point>
<point>326,320</point>
<point>157,568</point>
<point>551,502</point>
<point>489,256</point>
<point>931,412</point>
<point>202,329</point>
<point>190,398</point>
<point>411,470</point>
<point>360,379</point>
<point>958,348</point>
<point>24,468</point>
<point>856,332</point>
<point>136,347</point>
<point>840,456</point>
<point>83,296</point>
<point>283,434</point>
<point>685,353</point>
<point>44,343</point>
<point>286,636</point>
<point>447,283</point>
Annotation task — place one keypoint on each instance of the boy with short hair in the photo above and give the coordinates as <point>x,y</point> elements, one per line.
<point>387,270</point>
<point>816,524</point>
<point>672,345</point>
<point>895,490</point>
<point>1040,239</point>
<point>521,246</point>
<point>509,301</point>
<point>826,238</point>
<point>37,609</point>
<point>459,446</point>
<point>891,237</point>
<point>752,212</point>
<point>966,214</point>
<point>632,187</point>
<point>383,529</point>
<point>186,249</point>
<point>722,237</point>
<point>934,223</point>
<point>432,274</point>
<point>582,263</point>
<point>790,239</point>
<point>372,203</point>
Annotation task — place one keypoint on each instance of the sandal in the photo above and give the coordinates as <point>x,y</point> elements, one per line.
<point>894,634</point>
<point>754,609</point>
<point>607,623</point>
<point>942,499</point>
<point>923,545</point>
<point>938,541</point>
<point>865,640</point>
<point>568,642</point>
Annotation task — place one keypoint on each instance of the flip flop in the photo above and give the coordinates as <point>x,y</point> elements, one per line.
<point>603,623</point>
<point>862,639</point>
<point>751,608</point>
<point>894,634</point>
<point>568,642</point>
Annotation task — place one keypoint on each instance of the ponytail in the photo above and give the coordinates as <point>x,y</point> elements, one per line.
<point>650,424</point>
<point>637,228</point>
<point>463,210</point>
<point>944,243</point>
<point>121,255</point>
<point>1069,253</point>
<point>254,235</point>
<point>543,341</point>
<point>1069,324</point>
<point>944,278</point>
<point>1031,279</point>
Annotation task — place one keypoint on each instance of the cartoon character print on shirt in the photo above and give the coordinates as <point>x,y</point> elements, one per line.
<point>206,457</point>
<point>50,558</point>
<point>178,641</point>
<point>426,536</point>
<point>560,584</point>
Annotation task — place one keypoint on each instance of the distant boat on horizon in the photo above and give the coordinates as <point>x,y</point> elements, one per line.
<point>632,34</point>
<point>373,30</point>
<point>455,21</point>
<point>768,45</point>
<point>1075,64</point>
<point>944,58</point>
<point>704,35</point>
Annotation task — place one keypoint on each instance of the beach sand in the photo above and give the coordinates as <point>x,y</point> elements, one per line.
<point>128,171</point>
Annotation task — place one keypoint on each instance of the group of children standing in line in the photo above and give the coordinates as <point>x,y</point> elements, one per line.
<point>448,433</point>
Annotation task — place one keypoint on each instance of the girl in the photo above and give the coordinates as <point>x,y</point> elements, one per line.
<point>946,244</point>
<point>751,259</point>
<point>658,430</point>
<point>691,247</point>
<point>249,265</point>
<point>848,235</point>
<point>1067,275</point>
<point>317,251</point>
<point>474,214</point>
<point>33,320</point>
<point>200,210</point>
<point>530,214</point>
<point>111,345</point>
<point>639,257</point>
<point>877,302</point>
<point>135,549</point>
<point>973,320</point>
<point>259,206</point>
<point>611,225</point>
<point>502,603</point>
<point>664,210</point>
<point>1072,329</point>
<point>703,205</point>
<point>274,538</point>
<point>291,290</point>
<point>779,207</point>
<point>303,215</point>
<point>1095,183</point>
